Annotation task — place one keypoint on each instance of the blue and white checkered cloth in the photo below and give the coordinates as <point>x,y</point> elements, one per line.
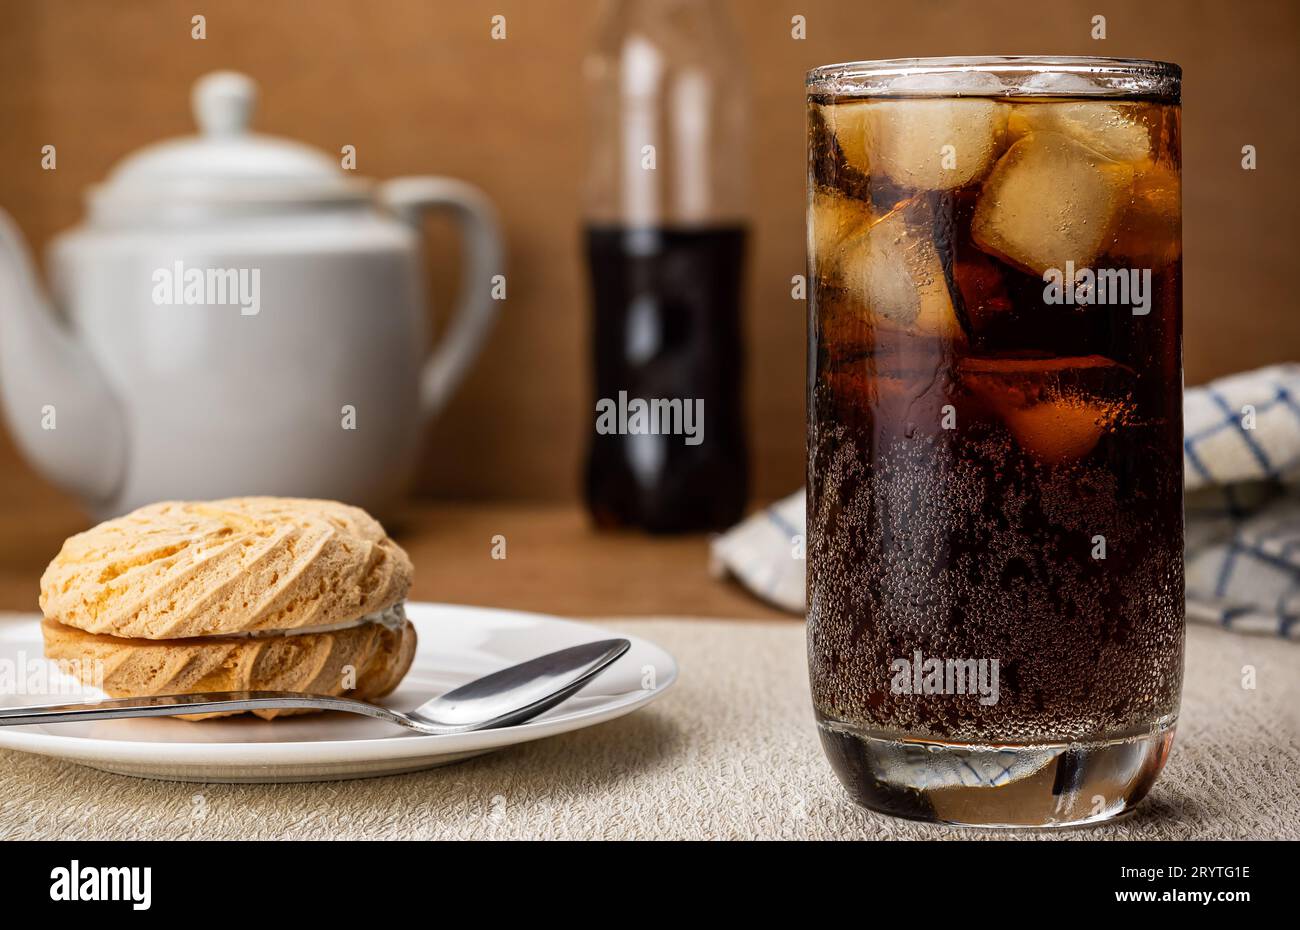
<point>1241,450</point>
<point>1242,457</point>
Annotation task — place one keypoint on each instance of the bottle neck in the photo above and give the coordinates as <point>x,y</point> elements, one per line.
<point>669,94</point>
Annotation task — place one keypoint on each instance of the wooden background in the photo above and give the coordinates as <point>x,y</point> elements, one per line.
<point>419,87</point>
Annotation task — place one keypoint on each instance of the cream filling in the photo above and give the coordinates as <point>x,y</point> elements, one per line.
<point>392,617</point>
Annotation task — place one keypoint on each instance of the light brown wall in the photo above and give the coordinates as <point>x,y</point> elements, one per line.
<point>418,86</point>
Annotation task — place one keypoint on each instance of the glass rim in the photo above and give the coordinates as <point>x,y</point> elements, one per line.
<point>1107,77</point>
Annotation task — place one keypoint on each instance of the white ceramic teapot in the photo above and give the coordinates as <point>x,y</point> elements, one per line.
<point>238,316</point>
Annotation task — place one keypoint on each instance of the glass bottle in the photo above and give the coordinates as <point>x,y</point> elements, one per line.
<point>666,243</point>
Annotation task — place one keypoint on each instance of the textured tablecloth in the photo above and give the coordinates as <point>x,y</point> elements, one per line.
<point>731,752</point>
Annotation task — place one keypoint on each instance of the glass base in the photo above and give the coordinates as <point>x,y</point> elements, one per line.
<point>1044,785</point>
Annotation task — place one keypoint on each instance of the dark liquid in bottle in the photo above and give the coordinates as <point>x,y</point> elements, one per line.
<point>666,327</point>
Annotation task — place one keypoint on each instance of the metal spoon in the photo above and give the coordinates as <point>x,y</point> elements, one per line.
<point>510,696</point>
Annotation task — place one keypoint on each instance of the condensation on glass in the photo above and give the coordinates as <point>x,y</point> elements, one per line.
<point>995,524</point>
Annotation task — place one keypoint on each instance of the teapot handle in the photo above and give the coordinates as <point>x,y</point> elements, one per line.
<point>476,310</point>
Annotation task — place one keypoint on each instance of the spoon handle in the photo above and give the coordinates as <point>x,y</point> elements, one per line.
<point>168,705</point>
<point>509,696</point>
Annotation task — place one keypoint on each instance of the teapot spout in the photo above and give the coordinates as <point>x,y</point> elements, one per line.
<point>55,398</point>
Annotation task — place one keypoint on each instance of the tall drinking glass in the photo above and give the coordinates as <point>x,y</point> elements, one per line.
<point>995,510</point>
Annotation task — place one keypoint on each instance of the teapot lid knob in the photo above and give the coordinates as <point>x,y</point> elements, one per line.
<point>223,103</point>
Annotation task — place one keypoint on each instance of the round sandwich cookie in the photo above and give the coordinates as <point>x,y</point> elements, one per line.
<point>250,593</point>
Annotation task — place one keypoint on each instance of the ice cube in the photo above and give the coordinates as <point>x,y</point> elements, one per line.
<point>1107,129</point>
<point>833,219</point>
<point>894,398</point>
<point>1150,230</point>
<point>861,385</point>
<point>981,285</point>
<point>948,84</point>
<point>844,332</point>
<point>826,157</point>
<point>848,123</point>
<point>1049,201</point>
<point>1056,409</point>
<point>1061,430</point>
<point>893,269</point>
<point>933,144</point>
<point>1058,82</point>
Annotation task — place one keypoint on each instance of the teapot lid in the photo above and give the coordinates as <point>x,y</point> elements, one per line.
<point>224,170</point>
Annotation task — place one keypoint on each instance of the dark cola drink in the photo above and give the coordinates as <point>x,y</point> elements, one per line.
<point>995,535</point>
<point>666,324</point>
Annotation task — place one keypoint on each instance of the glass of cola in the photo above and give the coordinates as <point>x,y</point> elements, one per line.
<point>995,510</point>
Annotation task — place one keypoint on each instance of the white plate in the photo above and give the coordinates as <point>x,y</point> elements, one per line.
<point>456,645</point>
